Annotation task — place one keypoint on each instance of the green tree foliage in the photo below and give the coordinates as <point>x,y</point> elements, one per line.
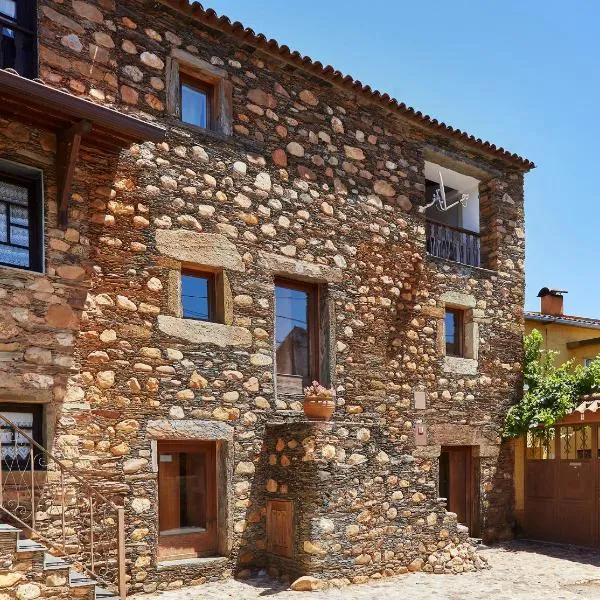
<point>550,392</point>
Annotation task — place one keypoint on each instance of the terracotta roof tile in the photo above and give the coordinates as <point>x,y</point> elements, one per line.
<point>209,17</point>
<point>564,319</point>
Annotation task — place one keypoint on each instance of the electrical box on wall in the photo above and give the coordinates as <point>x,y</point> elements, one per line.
<point>420,399</point>
<point>420,434</point>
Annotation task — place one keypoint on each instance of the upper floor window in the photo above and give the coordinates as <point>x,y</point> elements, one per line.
<point>198,295</point>
<point>453,233</point>
<point>296,335</point>
<point>199,93</point>
<point>195,101</point>
<point>18,36</point>
<point>454,332</point>
<point>20,221</point>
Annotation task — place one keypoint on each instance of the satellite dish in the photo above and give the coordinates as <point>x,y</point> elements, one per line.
<point>440,200</point>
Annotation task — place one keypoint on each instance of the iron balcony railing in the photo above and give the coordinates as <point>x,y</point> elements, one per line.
<point>52,503</point>
<point>453,243</point>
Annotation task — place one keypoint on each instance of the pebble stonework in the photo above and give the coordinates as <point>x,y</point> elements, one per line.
<point>241,222</point>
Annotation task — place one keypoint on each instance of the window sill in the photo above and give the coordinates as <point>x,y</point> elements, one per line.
<point>209,135</point>
<point>472,268</point>
<point>21,271</point>
<point>461,366</point>
<point>206,561</point>
<point>204,332</point>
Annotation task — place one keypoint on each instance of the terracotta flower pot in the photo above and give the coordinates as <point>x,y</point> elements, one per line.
<point>318,408</point>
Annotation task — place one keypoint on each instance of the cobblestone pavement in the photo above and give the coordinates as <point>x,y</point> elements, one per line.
<point>519,570</point>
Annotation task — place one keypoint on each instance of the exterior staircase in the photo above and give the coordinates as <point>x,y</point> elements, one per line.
<point>60,535</point>
<point>28,570</point>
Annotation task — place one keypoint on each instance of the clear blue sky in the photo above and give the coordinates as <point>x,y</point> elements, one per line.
<point>523,74</point>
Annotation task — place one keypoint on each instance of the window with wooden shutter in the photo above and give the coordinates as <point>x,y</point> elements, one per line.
<point>280,527</point>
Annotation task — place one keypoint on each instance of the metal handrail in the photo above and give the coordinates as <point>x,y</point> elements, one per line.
<point>453,243</point>
<point>55,459</point>
<point>102,511</point>
<point>454,227</point>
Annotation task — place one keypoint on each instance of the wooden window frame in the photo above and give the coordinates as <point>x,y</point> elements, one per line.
<point>192,70</point>
<point>211,278</point>
<point>37,433</point>
<point>34,212</point>
<point>197,83</point>
<point>24,28</point>
<point>459,331</point>
<point>313,311</point>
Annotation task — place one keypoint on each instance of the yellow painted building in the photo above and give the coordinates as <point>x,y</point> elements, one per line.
<point>576,338</point>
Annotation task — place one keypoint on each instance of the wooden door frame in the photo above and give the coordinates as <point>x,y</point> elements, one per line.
<point>207,543</point>
<point>472,512</point>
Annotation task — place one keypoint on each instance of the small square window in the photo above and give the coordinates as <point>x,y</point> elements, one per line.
<point>454,332</point>
<point>198,295</point>
<point>196,101</point>
<point>20,223</point>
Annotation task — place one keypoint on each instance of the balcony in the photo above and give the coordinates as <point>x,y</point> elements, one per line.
<point>453,243</point>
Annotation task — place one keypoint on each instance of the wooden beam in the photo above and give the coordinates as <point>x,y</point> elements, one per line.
<point>69,141</point>
<point>579,343</point>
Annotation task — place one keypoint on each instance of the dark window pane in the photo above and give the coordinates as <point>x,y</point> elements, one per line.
<point>14,224</point>
<point>195,296</point>
<point>194,106</point>
<point>12,255</point>
<point>3,225</point>
<point>292,331</point>
<point>453,333</point>
<point>19,236</point>
<point>19,215</point>
<point>192,490</point>
<point>13,193</point>
<point>8,8</point>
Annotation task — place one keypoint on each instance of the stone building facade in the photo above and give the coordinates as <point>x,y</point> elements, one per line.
<point>298,175</point>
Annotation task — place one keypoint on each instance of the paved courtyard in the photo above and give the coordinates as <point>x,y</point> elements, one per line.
<point>519,570</point>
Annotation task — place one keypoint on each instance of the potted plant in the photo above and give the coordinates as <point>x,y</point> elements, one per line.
<point>318,402</point>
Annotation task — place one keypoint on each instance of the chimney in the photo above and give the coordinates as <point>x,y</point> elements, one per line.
<point>551,301</point>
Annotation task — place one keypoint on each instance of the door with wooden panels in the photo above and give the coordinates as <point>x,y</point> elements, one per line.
<point>562,478</point>
<point>280,527</point>
<point>187,500</point>
<point>455,481</point>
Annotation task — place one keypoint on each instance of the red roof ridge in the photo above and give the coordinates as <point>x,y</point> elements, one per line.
<point>573,317</point>
<point>224,23</point>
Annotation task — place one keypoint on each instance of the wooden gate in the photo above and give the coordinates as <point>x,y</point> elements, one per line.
<point>562,472</point>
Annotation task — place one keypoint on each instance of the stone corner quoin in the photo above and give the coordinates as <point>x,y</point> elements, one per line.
<point>296,181</point>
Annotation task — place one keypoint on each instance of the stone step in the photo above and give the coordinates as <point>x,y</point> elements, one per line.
<point>102,594</point>
<point>81,580</point>
<point>43,568</point>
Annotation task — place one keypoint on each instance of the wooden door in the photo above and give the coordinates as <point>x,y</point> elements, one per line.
<point>456,481</point>
<point>280,527</point>
<point>187,500</point>
<point>562,474</point>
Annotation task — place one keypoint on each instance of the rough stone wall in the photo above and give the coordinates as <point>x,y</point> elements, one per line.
<point>361,504</point>
<point>311,174</point>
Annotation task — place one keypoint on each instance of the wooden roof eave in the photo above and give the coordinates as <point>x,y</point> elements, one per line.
<point>75,121</point>
<point>55,109</point>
